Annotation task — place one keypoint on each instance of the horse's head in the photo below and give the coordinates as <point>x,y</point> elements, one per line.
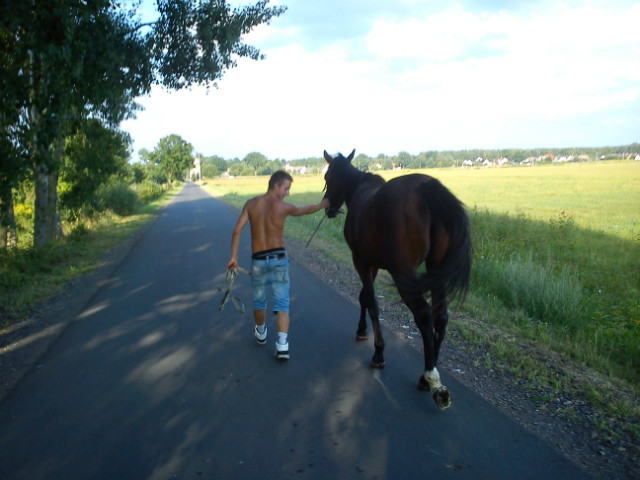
<point>334,185</point>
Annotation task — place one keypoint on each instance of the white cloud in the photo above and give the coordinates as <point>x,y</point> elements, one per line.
<point>448,79</point>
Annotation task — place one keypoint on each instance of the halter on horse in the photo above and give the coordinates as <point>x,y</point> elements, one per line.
<point>398,226</point>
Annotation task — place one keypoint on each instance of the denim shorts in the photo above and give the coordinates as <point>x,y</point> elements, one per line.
<point>270,272</point>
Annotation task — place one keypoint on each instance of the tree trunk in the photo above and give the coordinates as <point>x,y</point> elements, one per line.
<point>8,235</point>
<point>54,226</point>
<point>46,168</point>
<point>47,225</point>
<point>41,207</point>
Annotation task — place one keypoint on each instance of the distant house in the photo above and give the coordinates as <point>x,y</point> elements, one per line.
<point>298,169</point>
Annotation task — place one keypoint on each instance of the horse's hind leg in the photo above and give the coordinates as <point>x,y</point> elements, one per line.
<point>440,320</point>
<point>432,334</point>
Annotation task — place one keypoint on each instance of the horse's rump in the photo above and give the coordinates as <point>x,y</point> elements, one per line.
<point>407,221</point>
<point>448,215</point>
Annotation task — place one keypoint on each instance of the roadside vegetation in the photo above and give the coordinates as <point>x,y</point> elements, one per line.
<point>30,275</point>
<point>102,200</point>
<point>71,75</point>
<point>556,274</point>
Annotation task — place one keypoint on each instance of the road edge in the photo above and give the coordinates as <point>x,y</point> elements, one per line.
<point>23,345</point>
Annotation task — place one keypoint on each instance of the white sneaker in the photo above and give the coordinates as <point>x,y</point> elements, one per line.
<point>261,338</point>
<point>282,351</point>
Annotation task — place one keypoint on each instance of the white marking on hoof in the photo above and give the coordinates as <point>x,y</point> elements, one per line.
<point>440,393</point>
<point>433,379</point>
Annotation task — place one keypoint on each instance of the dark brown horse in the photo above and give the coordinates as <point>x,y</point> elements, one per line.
<point>397,226</point>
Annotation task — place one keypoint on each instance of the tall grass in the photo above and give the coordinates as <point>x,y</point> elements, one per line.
<point>534,287</point>
<point>557,245</point>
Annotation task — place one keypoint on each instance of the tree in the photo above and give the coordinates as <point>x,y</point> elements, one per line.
<point>210,171</point>
<point>238,169</point>
<point>68,60</point>
<point>213,166</point>
<point>256,163</point>
<point>91,156</point>
<point>13,135</point>
<point>173,156</point>
<point>362,161</point>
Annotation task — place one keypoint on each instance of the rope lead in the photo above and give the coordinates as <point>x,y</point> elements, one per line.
<point>237,302</point>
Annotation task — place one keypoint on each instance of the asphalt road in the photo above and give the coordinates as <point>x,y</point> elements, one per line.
<point>151,381</point>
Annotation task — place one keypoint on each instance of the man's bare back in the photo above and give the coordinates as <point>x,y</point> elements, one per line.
<point>266,215</point>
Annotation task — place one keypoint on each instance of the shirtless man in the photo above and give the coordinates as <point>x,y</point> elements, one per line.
<point>266,215</point>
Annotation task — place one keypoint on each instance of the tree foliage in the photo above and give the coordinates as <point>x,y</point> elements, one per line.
<point>173,156</point>
<point>91,156</point>
<point>66,61</point>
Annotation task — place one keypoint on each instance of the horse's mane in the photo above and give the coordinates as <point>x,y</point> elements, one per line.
<point>352,177</point>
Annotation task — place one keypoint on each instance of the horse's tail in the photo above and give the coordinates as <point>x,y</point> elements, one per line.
<point>446,211</point>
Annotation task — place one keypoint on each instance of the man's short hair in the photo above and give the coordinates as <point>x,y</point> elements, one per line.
<point>278,178</point>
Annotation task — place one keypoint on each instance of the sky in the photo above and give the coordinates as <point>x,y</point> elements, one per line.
<point>416,75</point>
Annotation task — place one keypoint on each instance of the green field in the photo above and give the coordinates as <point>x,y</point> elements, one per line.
<point>556,252</point>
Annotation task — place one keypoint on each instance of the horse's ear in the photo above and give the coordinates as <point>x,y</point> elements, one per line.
<point>350,157</point>
<point>327,157</point>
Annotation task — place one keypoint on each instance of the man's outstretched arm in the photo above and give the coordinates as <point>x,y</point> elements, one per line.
<point>308,209</point>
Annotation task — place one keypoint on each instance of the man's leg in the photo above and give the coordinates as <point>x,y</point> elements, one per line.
<point>282,320</point>
<point>280,288</point>
<point>260,316</point>
<point>260,330</point>
<point>258,284</point>
<point>282,342</point>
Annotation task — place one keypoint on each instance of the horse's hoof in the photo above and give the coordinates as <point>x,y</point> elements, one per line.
<point>362,337</point>
<point>442,397</point>
<point>377,365</point>
<point>423,385</point>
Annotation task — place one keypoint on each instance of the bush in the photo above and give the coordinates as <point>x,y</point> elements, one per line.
<point>148,191</point>
<point>118,197</point>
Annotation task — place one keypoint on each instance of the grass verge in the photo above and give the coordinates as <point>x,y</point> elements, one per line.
<point>555,291</point>
<point>29,276</point>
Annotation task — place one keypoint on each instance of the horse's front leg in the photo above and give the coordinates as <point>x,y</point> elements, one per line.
<point>378,342</point>
<point>361,333</point>
<point>369,303</point>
